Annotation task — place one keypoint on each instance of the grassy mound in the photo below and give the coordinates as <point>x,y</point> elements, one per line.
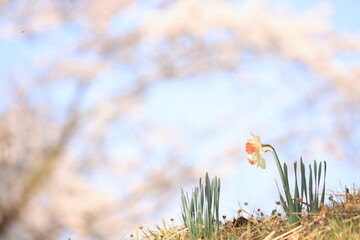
<point>339,219</point>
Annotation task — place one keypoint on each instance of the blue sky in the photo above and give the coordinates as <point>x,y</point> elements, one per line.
<point>344,14</point>
<point>195,106</point>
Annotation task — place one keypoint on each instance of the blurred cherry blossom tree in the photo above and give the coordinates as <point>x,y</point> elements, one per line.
<point>60,116</point>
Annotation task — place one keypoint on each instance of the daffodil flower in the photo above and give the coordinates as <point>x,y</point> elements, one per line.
<point>292,204</point>
<point>255,151</point>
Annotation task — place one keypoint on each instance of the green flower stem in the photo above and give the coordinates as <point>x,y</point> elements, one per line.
<point>277,161</point>
<point>285,183</point>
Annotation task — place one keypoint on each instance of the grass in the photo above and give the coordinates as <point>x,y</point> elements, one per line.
<point>339,219</point>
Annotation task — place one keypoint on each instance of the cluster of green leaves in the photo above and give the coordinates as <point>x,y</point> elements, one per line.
<point>200,212</point>
<point>309,192</point>
<point>315,202</point>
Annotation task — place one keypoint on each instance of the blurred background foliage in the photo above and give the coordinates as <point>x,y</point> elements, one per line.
<point>108,107</point>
